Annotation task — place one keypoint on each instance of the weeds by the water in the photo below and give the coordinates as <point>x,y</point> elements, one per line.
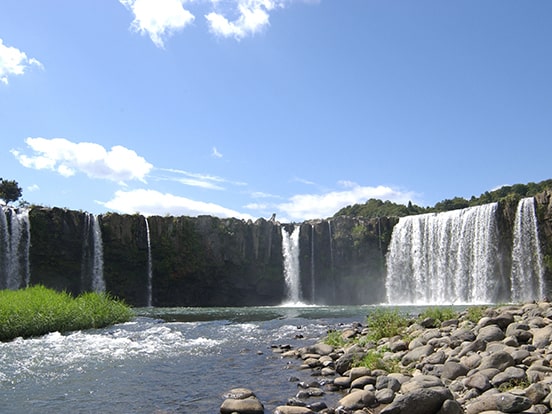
<point>38,310</point>
<point>385,323</point>
<point>439,314</point>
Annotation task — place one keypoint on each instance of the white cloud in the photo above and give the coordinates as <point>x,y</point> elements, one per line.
<point>67,158</point>
<point>200,180</point>
<point>33,187</point>
<point>215,153</point>
<point>252,17</point>
<point>14,62</point>
<point>158,18</point>
<point>311,206</point>
<point>152,202</point>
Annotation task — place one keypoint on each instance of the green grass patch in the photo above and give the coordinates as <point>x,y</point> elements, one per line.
<point>439,314</point>
<point>374,360</point>
<point>335,339</point>
<point>385,323</point>
<point>475,313</point>
<point>37,310</point>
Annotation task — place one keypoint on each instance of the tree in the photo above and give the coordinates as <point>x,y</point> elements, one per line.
<point>9,190</point>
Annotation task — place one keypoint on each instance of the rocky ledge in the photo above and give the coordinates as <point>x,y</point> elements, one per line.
<point>499,363</point>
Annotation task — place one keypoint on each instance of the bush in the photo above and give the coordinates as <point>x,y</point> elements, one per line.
<point>374,360</point>
<point>385,323</point>
<point>38,310</point>
<point>439,314</point>
<point>475,313</point>
<point>334,339</point>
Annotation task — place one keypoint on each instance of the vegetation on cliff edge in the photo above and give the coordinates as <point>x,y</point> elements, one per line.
<point>37,310</point>
<point>379,208</point>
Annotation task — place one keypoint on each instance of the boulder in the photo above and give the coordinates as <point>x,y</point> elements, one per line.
<point>509,375</point>
<point>290,409</point>
<point>421,401</point>
<point>416,354</point>
<point>510,403</point>
<point>357,400</point>
<point>542,337</point>
<point>249,405</point>
<point>490,333</point>
<point>499,360</point>
<point>453,370</point>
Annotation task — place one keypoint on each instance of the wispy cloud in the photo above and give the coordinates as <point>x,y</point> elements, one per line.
<point>215,153</point>
<point>159,19</point>
<point>14,62</point>
<point>67,158</point>
<point>311,206</point>
<point>207,181</point>
<point>152,202</point>
<point>252,16</point>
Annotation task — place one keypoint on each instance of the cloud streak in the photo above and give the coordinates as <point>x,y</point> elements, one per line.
<point>14,62</point>
<point>151,202</point>
<point>67,158</point>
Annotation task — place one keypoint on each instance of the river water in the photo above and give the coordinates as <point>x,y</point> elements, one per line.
<point>175,360</point>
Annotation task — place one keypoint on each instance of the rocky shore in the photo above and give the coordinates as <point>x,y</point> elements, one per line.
<point>497,362</point>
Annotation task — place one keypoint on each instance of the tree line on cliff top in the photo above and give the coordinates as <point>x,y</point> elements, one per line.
<point>378,208</point>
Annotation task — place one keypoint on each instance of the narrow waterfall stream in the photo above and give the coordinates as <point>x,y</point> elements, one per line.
<point>92,255</point>
<point>150,268</point>
<point>527,277</point>
<point>15,243</point>
<point>290,252</point>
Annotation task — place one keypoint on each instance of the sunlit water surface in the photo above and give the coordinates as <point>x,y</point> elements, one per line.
<point>174,360</point>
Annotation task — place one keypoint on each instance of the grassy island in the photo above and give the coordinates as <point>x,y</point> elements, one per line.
<point>37,310</point>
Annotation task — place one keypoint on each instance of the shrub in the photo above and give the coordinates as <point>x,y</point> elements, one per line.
<point>439,314</point>
<point>334,339</point>
<point>475,313</point>
<point>385,323</point>
<point>374,360</point>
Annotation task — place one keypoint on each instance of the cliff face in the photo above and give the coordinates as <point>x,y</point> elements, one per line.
<point>207,261</point>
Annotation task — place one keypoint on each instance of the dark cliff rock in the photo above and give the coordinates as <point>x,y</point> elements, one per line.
<point>207,261</point>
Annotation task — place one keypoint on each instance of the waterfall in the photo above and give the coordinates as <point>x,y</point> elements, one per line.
<point>290,251</point>
<point>150,267</point>
<point>15,241</point>
<point>313,287</point>
<point>444,258</point>
<point>527,277</point>
<point>92,263</point>
<point>331,244</point>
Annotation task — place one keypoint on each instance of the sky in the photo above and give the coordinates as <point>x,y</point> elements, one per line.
<point>248,108</point>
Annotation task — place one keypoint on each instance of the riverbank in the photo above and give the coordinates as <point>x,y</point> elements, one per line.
<point>486,360</point>
<point>37,310</point>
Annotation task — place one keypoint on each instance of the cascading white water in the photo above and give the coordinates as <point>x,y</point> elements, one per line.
<point>290,251</point>
<point>92,264</point>
<point>527,277</point>
<point>313,285</point>
<point>15,240</point>
<point>444,258</point>
<point>150,266</point>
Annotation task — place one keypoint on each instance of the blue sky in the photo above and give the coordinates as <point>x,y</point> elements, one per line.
<point>246,108</point>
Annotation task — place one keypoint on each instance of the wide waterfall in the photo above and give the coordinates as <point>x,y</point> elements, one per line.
<point>527,277</point>
<point>150,266</point>
<point>15,241</point>
<point>92,256</point>
<point>290,251</point>
<point>444,258</point>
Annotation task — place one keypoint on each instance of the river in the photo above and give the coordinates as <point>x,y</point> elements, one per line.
<point>172,360</point>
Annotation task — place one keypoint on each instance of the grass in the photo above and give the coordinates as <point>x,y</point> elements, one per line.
<point>334,339</point>
<point>385,323</point>
<point>475,313</point>
<point>374,360</point>
<point>37,310</point>
<point>439,314</point>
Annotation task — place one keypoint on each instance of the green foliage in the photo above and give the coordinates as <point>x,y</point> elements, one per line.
<point>514,383</point>
<point>38,310</point>
<point>9,190</point>
<point>379,208</point>
<point>385,323</point>
<point>334,339</point>
<point>374,360</point>
<point>475,313</point>
<point>440,314</point>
